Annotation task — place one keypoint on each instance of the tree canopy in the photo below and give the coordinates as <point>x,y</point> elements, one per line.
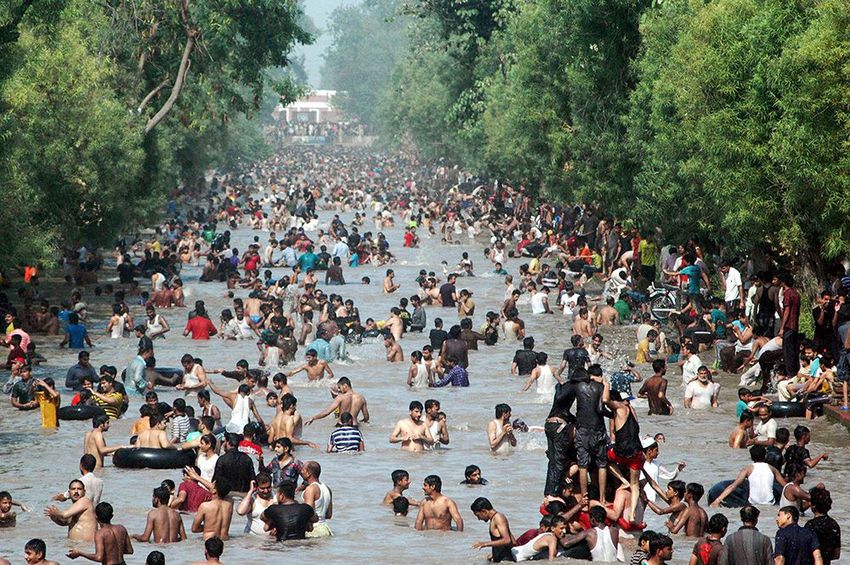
<point>106,107</point>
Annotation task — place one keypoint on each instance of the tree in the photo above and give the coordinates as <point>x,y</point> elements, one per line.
<point>368,41</point>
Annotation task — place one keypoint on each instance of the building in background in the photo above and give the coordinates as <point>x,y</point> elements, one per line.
<point>315,108</point>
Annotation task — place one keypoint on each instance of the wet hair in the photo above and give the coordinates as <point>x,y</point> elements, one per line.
<point>821,500</point>
<point>222,487</point>
<point>661,541</point>
<point>646,536</point>
<point>87,462</point>
<point>528,343</point>
<point>155,558</point>
<point>98,421</point>
<point>279,377</point>
<point>597,514</point>
<point>717,524</point>
<point>575,340</point>
<point>434,481</point>
<point>401,505</point>
<point>263,479</point>
<point>287,489</point>
<point>5,495</point>
<point>37,546</point>
<point>792,468</point>
<point>555,507</point>
<point>398,475</point>
<point>284,442</point>
<point>743,391</point>
<point>696,491</point>
<point>313,468</point>
<point>800,431</point>
<point>169,484</point>
<point>480,504</point>
<point>502,409</point>
<point>678,487</point>
<point>658,365</point>
<point>758,453</point>
<point>179,404</point>
<point>745,415</point>
<point>346,419</point>
<point>344,381</point>
<point>792,511</point>
<point>470,469</point>
<point>542,358</point>
<point>154,419</point>
<point>783,435</point>
<point>415,405</point>
<point>214,547</point>
<point>162,494</point>
<point>104,512</point>
<point>244,389</point>
<point>750,514</point>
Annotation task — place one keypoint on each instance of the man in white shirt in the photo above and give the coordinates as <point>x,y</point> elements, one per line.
<point>690,364</point>
<point>733,287</point>
<point>94,485</point>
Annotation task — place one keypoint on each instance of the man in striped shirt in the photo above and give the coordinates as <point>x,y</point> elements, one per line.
<point>748,546</point>
<point>346,437</point>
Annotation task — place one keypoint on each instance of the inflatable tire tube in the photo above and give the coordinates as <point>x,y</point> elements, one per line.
<point>80,412</point>
<point>147,458</point>
<point>788,409</point>
<point>168,372</point>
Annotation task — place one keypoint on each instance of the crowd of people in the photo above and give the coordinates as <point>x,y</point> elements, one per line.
<point>574,261</point>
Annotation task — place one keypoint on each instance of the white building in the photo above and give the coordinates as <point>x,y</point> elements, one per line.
<point>315,108</point>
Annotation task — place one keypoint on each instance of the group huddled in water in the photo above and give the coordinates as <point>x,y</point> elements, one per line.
<point>577,261</point>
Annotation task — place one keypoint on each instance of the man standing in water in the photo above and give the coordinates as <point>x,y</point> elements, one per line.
<point>111,543</point>
<point>287,423</point>
<point>790,324</point>
<point>94,442</point>
<point>501,539</point>
<point>437,510</point>
<point>576,357</point>
<point>163,523</point>
<point>500,432</point>
<point>346,401</point>
<point>411,432</point>
<point>80,518</point>
<point>214,516</point>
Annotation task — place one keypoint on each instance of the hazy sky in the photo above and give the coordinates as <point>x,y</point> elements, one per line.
<point>320,11</point>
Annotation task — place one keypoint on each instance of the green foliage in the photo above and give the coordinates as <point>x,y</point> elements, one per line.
<point>368,41</point>
<point>75,153</point>
<point>81,157</point>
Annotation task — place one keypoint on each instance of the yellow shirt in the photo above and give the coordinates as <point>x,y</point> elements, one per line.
<point>49,407</point>
<point>112,410</point>
<point>642,351</point>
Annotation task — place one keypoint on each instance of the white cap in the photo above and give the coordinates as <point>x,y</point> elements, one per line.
<point>648,442</point>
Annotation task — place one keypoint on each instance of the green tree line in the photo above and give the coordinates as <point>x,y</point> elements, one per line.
<point>724,120</point>
<point>107,107</point>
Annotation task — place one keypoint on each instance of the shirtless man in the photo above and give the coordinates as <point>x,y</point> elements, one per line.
<point>80,517</point>
<point>437,510</point>
<point>214,516</point>
<point>389,284</point>
<point>288,423</point>
<point>163,522</point>
<point>111,542</point>
<point>500,432</point>
<point>314,367</point>
<point>608,315</point>
<point>694,519</point>
<point>743,431</point>
<point>412,433</point>
<point>401,482</point>
<point>346,401</point>
<point>213,548</point>
<point>94,442</point>
<point>501,539</point>
<point>155,437</point>
<point>584,325</point>
<point>394,352</point>
<point>394,324</point>
<point>436,422</point>
<point>35,553</point>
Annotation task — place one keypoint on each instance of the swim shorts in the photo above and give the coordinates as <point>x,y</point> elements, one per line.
<point>634,462</point>
<point>591,448</point>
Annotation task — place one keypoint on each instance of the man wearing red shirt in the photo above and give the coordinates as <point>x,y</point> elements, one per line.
<point>790,324</point>
<point>200,327</point>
